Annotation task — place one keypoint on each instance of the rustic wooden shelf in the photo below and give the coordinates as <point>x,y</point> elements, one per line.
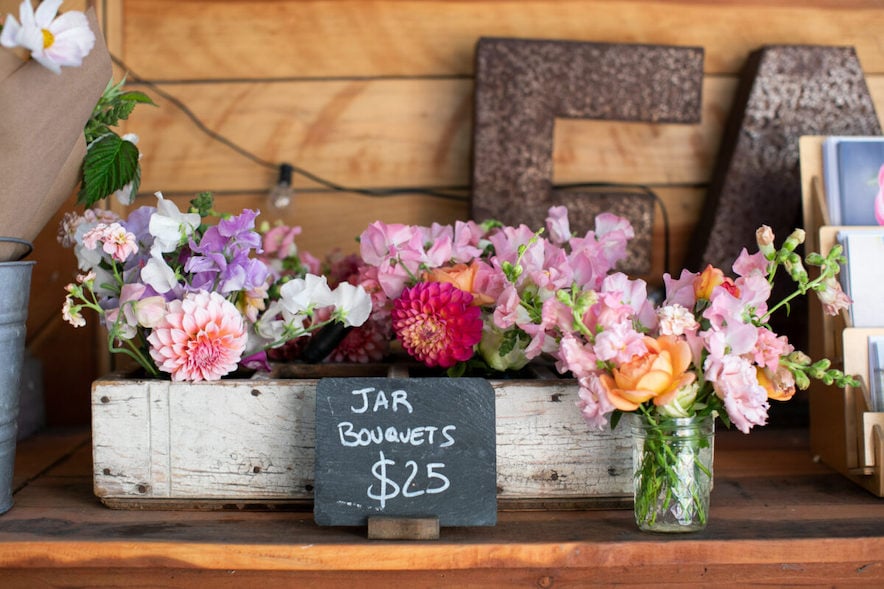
<point>777,517</point>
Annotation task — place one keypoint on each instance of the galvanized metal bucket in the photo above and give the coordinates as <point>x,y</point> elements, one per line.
<point>15,285</point>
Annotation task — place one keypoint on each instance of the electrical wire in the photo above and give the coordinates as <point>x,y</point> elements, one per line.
<point>214,135</point>
<point>445,193</point>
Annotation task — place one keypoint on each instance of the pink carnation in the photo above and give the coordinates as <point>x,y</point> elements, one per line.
<point>437,324</point>
<point>202,337</point>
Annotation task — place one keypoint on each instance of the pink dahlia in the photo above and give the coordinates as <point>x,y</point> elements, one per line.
<point>437,324</point>
<point>202,337</point>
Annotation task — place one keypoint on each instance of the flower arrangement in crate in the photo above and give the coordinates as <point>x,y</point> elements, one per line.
<point>190,299</point>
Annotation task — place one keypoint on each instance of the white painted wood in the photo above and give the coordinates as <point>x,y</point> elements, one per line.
<point>253,440</point>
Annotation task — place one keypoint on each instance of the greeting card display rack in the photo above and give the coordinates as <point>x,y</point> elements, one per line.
<point>844,433</point>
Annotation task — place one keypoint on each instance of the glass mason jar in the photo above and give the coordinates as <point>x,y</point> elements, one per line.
<point>672,470</point>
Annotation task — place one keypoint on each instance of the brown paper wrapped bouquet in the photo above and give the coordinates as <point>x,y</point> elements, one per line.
<point>53,71</point>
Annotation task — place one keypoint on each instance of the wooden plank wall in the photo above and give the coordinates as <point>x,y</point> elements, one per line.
<point>378,94</point>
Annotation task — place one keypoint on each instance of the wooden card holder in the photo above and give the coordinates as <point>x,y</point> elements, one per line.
<point>844,433</point>
<point>403,528</point>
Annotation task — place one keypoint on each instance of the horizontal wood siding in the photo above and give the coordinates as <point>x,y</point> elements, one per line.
<point>273,39</point>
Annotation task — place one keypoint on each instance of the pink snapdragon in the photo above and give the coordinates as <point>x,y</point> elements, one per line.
<point>833,298</point>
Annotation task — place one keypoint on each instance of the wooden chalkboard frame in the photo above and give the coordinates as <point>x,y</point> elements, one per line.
<point>405,447</point>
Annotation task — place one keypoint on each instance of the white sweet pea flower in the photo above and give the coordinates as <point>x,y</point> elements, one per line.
<point>169,226</point>
<point>159,275</point>
<point>305,294</point>
<point>352,304</point>
<point>269,326</point>
<point>53,42</point>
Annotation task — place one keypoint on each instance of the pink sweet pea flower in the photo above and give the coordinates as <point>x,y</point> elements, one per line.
<point>465,246</point>
<point>680,291</point>
<point>746,264</point>
<point>279,242</point>
<point>558,226</point>
<point>380,241</point>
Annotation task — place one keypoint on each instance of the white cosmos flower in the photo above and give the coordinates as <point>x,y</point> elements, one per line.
<point>353,304</point>
<point>169,226</point>
<point>53,42</point>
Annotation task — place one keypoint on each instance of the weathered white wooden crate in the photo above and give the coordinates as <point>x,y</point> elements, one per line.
<point>250,443</point>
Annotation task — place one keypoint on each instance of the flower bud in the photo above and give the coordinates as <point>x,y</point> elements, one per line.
<point>489,348</point>
<point>764,237</point>
<point>794,240</point>
<point>796,269</point>
<point>681,405</point>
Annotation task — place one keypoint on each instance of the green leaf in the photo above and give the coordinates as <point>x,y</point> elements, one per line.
<point>457,370</point>
<point>136,96</point>
<point>109,165</point>
<point>122,111</point>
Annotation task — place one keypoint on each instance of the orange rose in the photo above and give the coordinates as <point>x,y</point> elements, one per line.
<point>657,375</point>
<point>461,276</point>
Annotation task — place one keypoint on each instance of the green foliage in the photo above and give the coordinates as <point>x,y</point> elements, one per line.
<point>203,204</point>
<point>111,163</point>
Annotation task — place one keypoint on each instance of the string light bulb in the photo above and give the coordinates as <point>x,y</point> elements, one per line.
<point>281,193</point>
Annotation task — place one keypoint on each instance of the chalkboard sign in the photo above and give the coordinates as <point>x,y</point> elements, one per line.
<point>405,447</point>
